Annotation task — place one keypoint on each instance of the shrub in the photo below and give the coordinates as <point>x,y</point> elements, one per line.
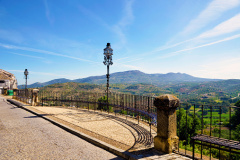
<point>102,104</point>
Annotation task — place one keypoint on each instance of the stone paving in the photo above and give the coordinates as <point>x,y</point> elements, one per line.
<point>116,130</point>
<point>25,136</point>
<point>119,131</point>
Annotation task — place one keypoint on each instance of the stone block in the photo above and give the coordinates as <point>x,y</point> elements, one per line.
<point>166,140</point>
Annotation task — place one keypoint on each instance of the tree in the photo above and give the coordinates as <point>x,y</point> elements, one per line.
<point>102,103</point>
<point>223,110</point>
<point>205,112</point>
<point>187,124</point>
<point>235,120</point>
<point>237,133</point>
<point>188,107</point>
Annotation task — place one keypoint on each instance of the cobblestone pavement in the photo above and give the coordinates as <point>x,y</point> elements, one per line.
<point>26,136</point>
<point>118,131</point>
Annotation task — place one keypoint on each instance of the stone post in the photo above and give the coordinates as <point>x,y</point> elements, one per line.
<point>15,92</point>
<point>35,97</point>
<point>166,140</point>
<point>5,91</point>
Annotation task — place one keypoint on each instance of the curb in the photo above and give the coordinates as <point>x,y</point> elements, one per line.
<point>94,141</point>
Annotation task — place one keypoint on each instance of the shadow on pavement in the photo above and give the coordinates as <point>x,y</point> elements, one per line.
<point>144,153</point>
<point>41,115</point>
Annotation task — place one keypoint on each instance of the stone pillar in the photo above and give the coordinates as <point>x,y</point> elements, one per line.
<point>15,92</point>
<point>166,140</point>
<point>5,91</point>
<point>35,97</point>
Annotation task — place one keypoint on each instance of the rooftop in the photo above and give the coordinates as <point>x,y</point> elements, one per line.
<point>4,75</point>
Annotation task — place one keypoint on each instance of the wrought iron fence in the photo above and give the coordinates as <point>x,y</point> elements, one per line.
<point>210,121</point>
<point>192,119</point>
<point>24,95</point>
<point>136,106</point>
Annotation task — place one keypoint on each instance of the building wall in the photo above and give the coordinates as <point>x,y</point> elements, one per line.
<point>5,83</point>
<point>7,80</point>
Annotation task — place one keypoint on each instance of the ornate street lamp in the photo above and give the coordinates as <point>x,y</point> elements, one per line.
<point>108,52</point>
<point>26,74</point>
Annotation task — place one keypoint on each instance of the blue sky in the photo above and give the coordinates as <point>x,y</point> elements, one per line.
<point>65,38</point>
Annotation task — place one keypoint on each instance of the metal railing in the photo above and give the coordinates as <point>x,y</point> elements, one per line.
<point>192,119</point>
<point>136,106</point>
<point>210,121</point>
<point>24,95</point>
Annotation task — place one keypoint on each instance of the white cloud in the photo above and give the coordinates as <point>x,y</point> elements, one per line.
<point>214,10</point>
<point>171,54</point>
<point>44,52</point>
<point>118,30</point>
<point>44,73</point>
<point>127,14</point>
<point>36,57</point>
<point>47,12</point>
<point>229,26</point>
<point>25,55</point>
<point>165,47</point>
<point>204,45</point>
<point>126,19</point>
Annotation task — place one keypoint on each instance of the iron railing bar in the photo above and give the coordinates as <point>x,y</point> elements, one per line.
<point>194,112</point>
<point>230,136</point>
<point>210,130</point>
<point>186,131</point>
<point>202,133</point>
<point>216,147</point>
<point>220,123</point>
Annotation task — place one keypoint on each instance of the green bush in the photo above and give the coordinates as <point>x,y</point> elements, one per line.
<point>189,128</point>
<point>123,112</point>
<point>102,104</point>
<point>235,120</point>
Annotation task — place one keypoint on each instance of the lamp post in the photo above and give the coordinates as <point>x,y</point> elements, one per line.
<point>26,74</point>
<point>108,52</point>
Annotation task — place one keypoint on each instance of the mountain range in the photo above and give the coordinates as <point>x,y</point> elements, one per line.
<point>130,77</point>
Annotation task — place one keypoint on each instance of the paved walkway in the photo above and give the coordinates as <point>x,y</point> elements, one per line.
<point>26,136</point>
<point>118,131</point>
<point>122,132</point>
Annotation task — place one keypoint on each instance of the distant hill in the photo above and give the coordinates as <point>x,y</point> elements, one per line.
<point>186,87</point>
<point>118,77</point>
<point>135,76</point>
<point>38,85</point>
<point>223,89</point>
<point>227,86</point>
<point>73,87</point>
<point>137,89</point>
<point>131,77</point>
